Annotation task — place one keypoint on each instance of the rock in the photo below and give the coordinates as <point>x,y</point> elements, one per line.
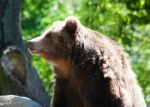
<point>17,101</point>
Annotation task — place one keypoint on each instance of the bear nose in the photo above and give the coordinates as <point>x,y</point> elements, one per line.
<point>29,43</point>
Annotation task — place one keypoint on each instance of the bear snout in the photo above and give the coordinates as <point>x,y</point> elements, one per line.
<point>33,46</point>
<point>30,45</point>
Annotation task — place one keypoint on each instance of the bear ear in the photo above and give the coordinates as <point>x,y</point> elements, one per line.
<point>71,24</point>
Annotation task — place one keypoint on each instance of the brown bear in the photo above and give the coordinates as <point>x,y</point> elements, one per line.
<point>90,69</point>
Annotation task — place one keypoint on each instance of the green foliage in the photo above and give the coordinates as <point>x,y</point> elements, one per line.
<point>126,21</point>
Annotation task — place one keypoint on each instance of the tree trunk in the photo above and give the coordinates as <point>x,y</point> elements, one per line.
<point>17,74</point>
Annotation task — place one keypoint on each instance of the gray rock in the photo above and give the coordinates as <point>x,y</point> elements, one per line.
<point>17,101</point>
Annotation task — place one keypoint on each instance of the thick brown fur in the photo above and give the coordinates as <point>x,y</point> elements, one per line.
<point>91,70</point>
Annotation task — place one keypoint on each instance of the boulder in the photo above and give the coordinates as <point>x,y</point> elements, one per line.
<point>17,101</point>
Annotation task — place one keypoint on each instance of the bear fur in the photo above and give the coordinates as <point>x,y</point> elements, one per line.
<point>90,69</point>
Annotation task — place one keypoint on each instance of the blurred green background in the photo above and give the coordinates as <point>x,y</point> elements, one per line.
<point>125,21</point>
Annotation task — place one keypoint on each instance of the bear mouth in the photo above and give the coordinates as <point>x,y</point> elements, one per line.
<point>42,53</point>
<point>34,51</point>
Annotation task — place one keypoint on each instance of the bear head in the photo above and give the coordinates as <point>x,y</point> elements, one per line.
<point>56,42</point>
